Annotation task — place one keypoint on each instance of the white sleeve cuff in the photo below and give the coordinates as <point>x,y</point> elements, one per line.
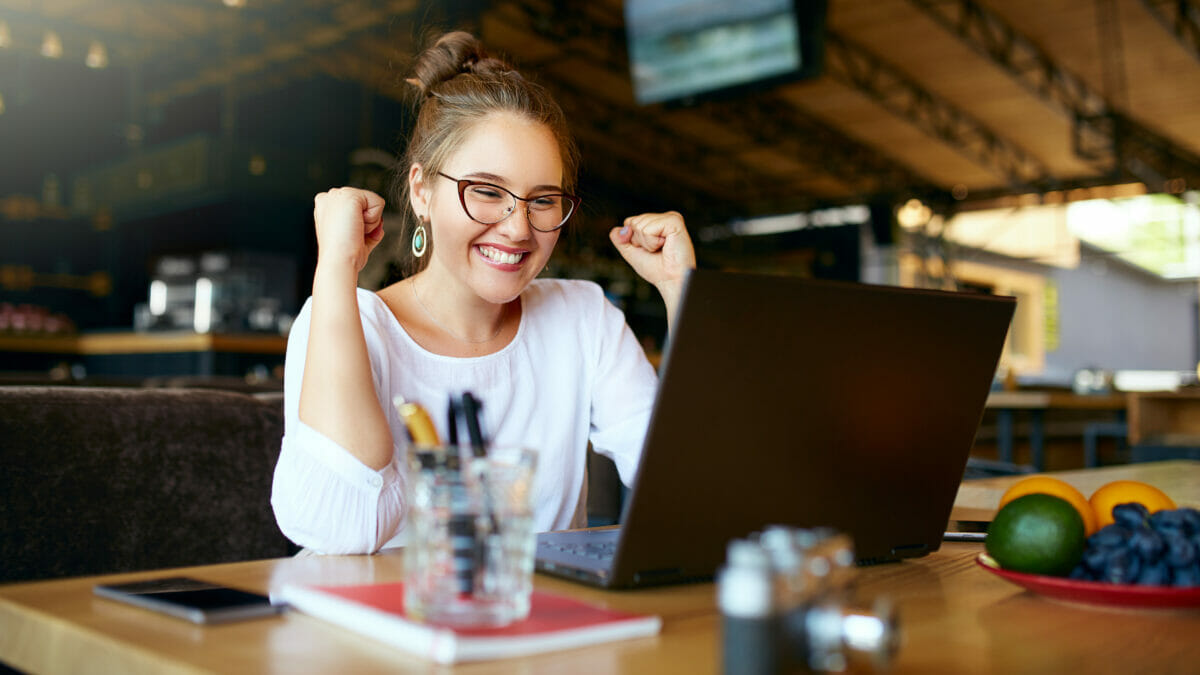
<point>327,500</point>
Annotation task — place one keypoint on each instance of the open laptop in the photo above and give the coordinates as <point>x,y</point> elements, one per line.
<point>797,402</point>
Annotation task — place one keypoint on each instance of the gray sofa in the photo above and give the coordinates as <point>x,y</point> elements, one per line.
<point>97,480</point>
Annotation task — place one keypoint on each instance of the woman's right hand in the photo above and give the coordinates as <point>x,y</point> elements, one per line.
<point>349,223</point>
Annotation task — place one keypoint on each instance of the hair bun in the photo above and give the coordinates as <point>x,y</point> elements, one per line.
<point>452,55</point>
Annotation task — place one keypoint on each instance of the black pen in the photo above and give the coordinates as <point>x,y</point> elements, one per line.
<point>470,409</point>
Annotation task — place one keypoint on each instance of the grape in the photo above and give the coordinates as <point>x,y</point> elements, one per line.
<point>1181,552</point>
<point>1124,567</point>
<point>1156,574</point>
<point>1131,515</point>
<point>1148,544</point>
<point>1095,559</point>
<point>1167,521</point>
<point>1162,549</point>
<point>1110,536</point>
<point>1187,576</point>
<point>1081,573</point>
<point>1191,520</point>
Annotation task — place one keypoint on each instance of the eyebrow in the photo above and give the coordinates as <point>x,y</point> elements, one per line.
<point>493,178</point>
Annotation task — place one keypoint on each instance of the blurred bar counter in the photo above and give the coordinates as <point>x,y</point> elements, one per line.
<point>144,354</point>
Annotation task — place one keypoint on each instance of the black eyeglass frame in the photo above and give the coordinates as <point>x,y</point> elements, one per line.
<point>464,183</point>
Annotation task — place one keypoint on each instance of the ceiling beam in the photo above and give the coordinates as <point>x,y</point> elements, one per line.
<point>1181,18</point>
<point>1118,145</point>
<point>281,49</point>
<point>766,118</point>
<point>898,93</point>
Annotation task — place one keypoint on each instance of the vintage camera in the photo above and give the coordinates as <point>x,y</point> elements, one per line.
<point>787,606</point>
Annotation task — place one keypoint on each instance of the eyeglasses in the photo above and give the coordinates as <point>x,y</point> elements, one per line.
<point>488,204</point>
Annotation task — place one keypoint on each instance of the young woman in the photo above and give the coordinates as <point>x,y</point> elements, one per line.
<point>489,173</point>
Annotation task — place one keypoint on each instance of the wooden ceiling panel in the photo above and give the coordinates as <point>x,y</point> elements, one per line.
<point>909,101</point>
<point>912,41</point>
<point>859,117</point>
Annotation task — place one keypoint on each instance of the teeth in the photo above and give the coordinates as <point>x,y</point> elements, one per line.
<point>500,256</point>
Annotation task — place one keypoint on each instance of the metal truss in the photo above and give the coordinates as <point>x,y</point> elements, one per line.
<point>1181,18</point>
<point>902,96</point>
<point>1115,143</point>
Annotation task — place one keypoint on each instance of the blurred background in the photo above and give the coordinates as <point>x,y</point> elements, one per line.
<point>158,160</point>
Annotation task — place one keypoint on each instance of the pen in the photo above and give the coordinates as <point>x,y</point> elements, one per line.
<point>471,406</point>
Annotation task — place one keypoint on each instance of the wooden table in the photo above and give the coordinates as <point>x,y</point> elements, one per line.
<point>1035,403</point>
<point>955,618</point>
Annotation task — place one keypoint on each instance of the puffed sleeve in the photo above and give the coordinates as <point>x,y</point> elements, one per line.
<point>324,498</point>
<point>623,391</point>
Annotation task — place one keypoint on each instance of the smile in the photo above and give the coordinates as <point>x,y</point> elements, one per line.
<point>498,256</point>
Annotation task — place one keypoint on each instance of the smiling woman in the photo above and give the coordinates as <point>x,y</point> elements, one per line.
<point>487,180</point>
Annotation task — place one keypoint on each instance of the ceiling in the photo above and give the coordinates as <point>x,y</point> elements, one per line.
<point>959,102</point>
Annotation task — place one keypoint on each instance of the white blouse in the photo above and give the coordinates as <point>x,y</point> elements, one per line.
<point>573,373</point>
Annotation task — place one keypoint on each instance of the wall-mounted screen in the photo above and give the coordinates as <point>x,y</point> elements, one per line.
<point>683,50</point>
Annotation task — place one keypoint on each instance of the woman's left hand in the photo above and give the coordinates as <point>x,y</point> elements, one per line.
<point>658,248</point>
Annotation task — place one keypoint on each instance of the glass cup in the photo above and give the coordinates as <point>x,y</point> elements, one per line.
<point>468,560</point>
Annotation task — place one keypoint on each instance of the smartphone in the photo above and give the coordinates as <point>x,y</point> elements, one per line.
<point>967,530</point>
<point>191,599</point>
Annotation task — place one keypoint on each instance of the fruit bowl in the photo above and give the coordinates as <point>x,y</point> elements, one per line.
<point>1097,592</point>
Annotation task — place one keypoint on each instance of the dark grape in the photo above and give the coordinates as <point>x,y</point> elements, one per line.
<point>1191,520</point>
<point>1148,544</point>
<point>1081,573</point>
<point>1131,515</point>
<point>1181,552</point>
<point>1124,567</point>
<point>1167,521</point>
<point>1095,559</point>
<point>1187,576</point>
<point>1155,574</point>
<point>1110,536</point>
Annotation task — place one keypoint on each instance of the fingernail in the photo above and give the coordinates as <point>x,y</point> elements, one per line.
<point>624,230</point>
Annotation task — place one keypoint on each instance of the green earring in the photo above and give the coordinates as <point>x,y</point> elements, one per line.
<point>420,241</point>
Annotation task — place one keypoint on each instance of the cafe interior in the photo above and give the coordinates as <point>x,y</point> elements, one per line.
<point>158,162</point>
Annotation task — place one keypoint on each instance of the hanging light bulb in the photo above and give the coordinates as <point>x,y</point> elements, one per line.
<point>52,47</point>
<point>1,104</point>
<point>97,55</point>
<point>235,3</point>
<point>5,35</point>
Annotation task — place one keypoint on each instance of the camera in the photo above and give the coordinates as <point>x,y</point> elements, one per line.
<point>787,605</point>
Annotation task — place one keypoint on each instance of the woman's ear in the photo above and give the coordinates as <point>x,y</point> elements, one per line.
<point>418,192</point>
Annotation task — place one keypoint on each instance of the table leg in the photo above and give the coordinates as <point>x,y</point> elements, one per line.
<point>1037,440</point>
<point>1004,435</point>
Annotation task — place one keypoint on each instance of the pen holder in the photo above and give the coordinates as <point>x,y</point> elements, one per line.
<point>468,560</point>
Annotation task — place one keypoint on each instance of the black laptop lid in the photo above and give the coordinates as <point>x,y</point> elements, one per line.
<point>807,403</point>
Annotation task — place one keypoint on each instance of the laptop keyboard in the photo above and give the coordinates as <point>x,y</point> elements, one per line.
<point>594,550</point>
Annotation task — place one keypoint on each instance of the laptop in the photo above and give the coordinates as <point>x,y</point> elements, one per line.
<point>804,403</point>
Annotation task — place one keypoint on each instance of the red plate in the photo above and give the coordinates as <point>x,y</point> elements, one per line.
<point>1096,592</point>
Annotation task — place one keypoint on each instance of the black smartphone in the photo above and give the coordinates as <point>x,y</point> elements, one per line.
<point>191,599</point>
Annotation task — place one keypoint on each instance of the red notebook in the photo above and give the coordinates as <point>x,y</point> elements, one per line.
<point>554,623</point>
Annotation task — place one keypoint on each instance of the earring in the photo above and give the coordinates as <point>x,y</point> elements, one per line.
<point>420,240</point>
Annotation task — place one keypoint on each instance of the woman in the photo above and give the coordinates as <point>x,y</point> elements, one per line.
<point>490,168</point>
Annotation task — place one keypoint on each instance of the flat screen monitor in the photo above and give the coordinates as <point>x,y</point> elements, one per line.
<point>686,50</point>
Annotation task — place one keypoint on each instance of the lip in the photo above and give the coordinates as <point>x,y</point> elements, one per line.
<point>523,253</point>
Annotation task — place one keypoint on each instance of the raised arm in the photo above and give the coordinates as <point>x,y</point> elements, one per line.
<point>337,396</point>
<point>659,249</point>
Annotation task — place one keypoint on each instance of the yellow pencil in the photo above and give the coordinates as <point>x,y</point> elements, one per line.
<point>417,421</point>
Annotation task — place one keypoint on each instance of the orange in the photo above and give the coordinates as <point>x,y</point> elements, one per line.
<point>1125,492</point>
<point>1059,488</point>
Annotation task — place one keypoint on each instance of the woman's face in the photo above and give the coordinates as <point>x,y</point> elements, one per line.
<point>495,261</point>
